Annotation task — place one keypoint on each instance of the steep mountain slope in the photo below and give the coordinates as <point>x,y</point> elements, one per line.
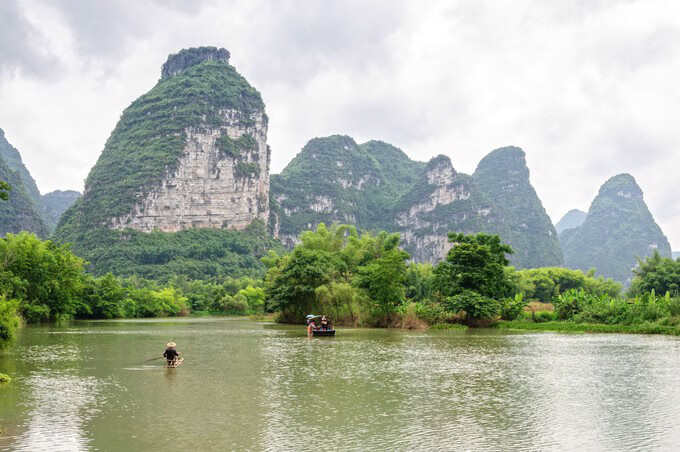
<point>334,179</point>
<point>503,177</point>
<point>572,219</point>
<point>441,201</point>
<point>18,213</point>
<point>22,212</point>
<point>56,203</point>
<point>190,153</point>
<point>376,186</point>
<point>13,160</point>
<point>618,228</point>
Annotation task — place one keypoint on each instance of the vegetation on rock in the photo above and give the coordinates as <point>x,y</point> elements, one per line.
<point>145,146</point>
<point>618,229</point>
<point>23,209</point>
<point>56,203</point>
<point>376,186</point>
<point>504,177</point>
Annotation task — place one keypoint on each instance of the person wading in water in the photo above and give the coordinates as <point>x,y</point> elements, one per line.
<point>171,354</point>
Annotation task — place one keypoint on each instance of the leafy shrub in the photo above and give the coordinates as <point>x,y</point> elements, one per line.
<point>9,321</point>
<point>237,304</point>
<point>568,304</point>
<point>475,306</point>
<point>511,308</point>
<point>245,170</point>
<point>543,316</point>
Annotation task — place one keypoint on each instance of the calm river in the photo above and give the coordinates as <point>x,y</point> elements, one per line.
<point>257,386</point>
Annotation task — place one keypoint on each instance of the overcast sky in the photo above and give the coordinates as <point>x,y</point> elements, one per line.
<point>587,88</point>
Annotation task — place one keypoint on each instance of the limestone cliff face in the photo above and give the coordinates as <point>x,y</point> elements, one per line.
<point>190,153</point>
<point>209,189</point>
<point>376,186</point>
<point>441,202</point>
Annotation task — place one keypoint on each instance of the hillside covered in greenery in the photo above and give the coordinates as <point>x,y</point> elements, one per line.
<point>377,186</point>
<point>503,176</point>
<point>196,89</point>
<point>56,203</point>
<point>333,179</point>
<point>23,210</point>
<point>618,230</point>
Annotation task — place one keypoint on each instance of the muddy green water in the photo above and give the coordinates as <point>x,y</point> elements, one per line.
<point>255,386</point>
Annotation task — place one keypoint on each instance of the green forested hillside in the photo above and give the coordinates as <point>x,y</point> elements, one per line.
<point>13,160</point>
<point>18,213</point>
<point>195,253</point>
<point>376,186</point>
<point>619,228</point>
<point>334,179</point>
<point>22,212</point>
<point>504,177</point>
<point>56,203</point>
<point>197,86</point>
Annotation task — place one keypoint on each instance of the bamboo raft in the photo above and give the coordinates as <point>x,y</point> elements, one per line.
<point>174,363</point>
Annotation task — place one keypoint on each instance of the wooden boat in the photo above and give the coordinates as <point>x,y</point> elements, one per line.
<point>174,363</point>
<point>329,332</point>
<point>326,330</point>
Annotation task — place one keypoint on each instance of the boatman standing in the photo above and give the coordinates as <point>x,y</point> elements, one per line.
<point>171,354</point>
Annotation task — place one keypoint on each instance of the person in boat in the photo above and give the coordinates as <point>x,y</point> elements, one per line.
<point>311,326</point>
<point>171,353</point>
<point>324,323</point>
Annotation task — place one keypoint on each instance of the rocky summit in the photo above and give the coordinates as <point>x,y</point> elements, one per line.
<point>376,186</point>
<point>618,229</point>
<point>191,153</point>
<point>503,176</point>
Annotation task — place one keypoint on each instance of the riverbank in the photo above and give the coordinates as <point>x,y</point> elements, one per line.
<point>571,327</point>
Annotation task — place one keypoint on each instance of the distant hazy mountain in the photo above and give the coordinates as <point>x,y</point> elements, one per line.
<point>24,210</point>
<point>619,228</point>
<point>676,254</point>
<point>572,219</point>
<point>56,203</point>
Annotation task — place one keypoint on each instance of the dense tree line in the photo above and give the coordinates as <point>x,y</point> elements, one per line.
<point>357,278</point>
<point>366,279</point>
<point>41,280</point>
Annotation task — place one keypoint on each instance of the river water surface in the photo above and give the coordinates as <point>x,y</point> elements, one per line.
<point>256,386</point>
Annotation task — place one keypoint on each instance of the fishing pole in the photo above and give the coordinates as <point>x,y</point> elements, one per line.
<point>154,359</point>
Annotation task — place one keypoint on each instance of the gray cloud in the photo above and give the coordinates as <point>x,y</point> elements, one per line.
<point>19,43</point>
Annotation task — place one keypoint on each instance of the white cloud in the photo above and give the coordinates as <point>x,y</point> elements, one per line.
<point>587,88</point>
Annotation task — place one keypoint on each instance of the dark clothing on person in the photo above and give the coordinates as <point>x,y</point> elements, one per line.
<point>170,354</point>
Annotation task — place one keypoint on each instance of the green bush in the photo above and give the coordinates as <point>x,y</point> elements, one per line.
<point>9,321</point>
<point>542,316</point>
<point>511,308</point>
<point>475,306</point>
<point>237,304</point>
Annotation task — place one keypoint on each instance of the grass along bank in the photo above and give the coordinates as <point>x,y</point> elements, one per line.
<point>571,327</point>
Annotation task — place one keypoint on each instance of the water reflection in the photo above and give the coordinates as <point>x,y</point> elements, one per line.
<point>60,405</point>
